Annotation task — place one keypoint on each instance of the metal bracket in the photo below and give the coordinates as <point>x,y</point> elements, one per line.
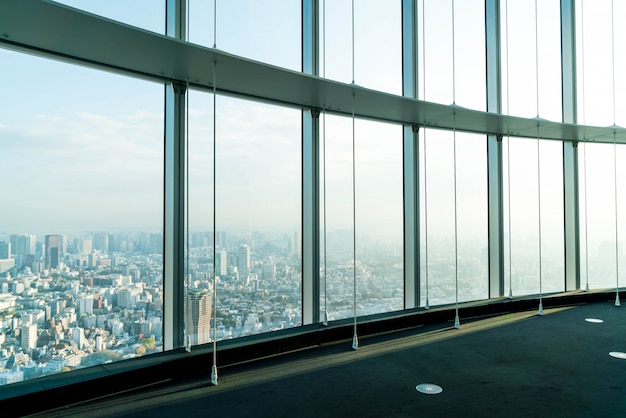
<point>179,87</point>
<point>315,113</point>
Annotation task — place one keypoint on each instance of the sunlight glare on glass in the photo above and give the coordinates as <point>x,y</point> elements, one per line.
<point>594,320</point>
<point>618,354</point>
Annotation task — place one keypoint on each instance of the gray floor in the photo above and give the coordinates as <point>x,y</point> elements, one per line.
<point>556,365</point>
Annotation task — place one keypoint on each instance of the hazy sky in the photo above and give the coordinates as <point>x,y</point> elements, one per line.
<point>82,149</point>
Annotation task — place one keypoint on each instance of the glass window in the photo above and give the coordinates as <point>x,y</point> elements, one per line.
<point>552,217</point>
<point>531,68</point>
<point>379,218</point>
<point>438,284</point>
<point>595,38</point>
<point>521,213</point>
<point>377,43</point>
<point>269,31</point>
<point>598,215</point>
<point>258,215</point>
<point>435,64</point>
<point>145,14</point>
<point>81,283</point>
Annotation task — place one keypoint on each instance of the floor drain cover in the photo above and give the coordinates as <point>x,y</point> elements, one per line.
<point>594,320</point>
<point>618,354</point>
<point>429,388</point>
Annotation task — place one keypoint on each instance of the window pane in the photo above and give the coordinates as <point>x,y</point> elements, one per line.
<point>595,38</point>
<point>379,218</point>
<point>598,215</point>
<point>438,282</point>
<point>268,31</point>
<point>81,280</point>
<point>531,68</point>
<point>523,256</point>
<point>338,230</point>
<point>552,217</point>
<point>145,14</point>
<point>377,43</point>
<point>258,215</point>
<point>439,74</point>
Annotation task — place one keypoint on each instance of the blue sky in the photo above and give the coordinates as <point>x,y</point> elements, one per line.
<point>78,144</point>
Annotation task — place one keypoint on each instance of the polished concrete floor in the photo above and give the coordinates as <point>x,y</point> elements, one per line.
<point>509,365</point>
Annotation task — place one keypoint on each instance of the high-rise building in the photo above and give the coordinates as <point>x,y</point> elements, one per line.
<point>113,244</point>
<point>5,250</point>
<point>86,245</point>
<point>85,305</point>
<point>101,242</point>
<point>53,251</point>
<point>221,263</point>
<point>156,243</point>
<point>29,336</point>
<point>23,247</point>
<point>78,336</point>
<point>243,261</point>
<point>22,244</point>
<point>198,316</point>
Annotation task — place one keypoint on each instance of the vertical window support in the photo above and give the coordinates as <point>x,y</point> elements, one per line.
<point>411,158</point>
<point>310,172</point>
<point>174,219</point>
<point>174,193</point>
<point>494,150</point>
<point>570,148</point>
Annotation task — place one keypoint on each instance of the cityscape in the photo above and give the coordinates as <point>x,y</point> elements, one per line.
<point>74,302</point>
<point>69,302</point>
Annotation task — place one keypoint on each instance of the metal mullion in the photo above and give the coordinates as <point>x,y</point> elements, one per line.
<point>494,151</point>
<point>411,158</point>
<point>310,172</point>
<point>174,193</point>
<point>570,148</point>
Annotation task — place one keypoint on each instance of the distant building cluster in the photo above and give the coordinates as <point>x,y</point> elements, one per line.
<point>68,303</point>
<point>74,303</point>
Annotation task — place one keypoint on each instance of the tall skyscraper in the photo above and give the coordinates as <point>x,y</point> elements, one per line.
<point>53,251</point>
<point>221,263</point>
<point>29,336</point>
<point>23,248</point>
<point>198,316</point>
<point>86,244</point>
<point>5,250</point>
<point>101,242</point>
<point>78,336</point>
<point>113,243</point>
<point>243,261</point>
<point>23,244</point>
